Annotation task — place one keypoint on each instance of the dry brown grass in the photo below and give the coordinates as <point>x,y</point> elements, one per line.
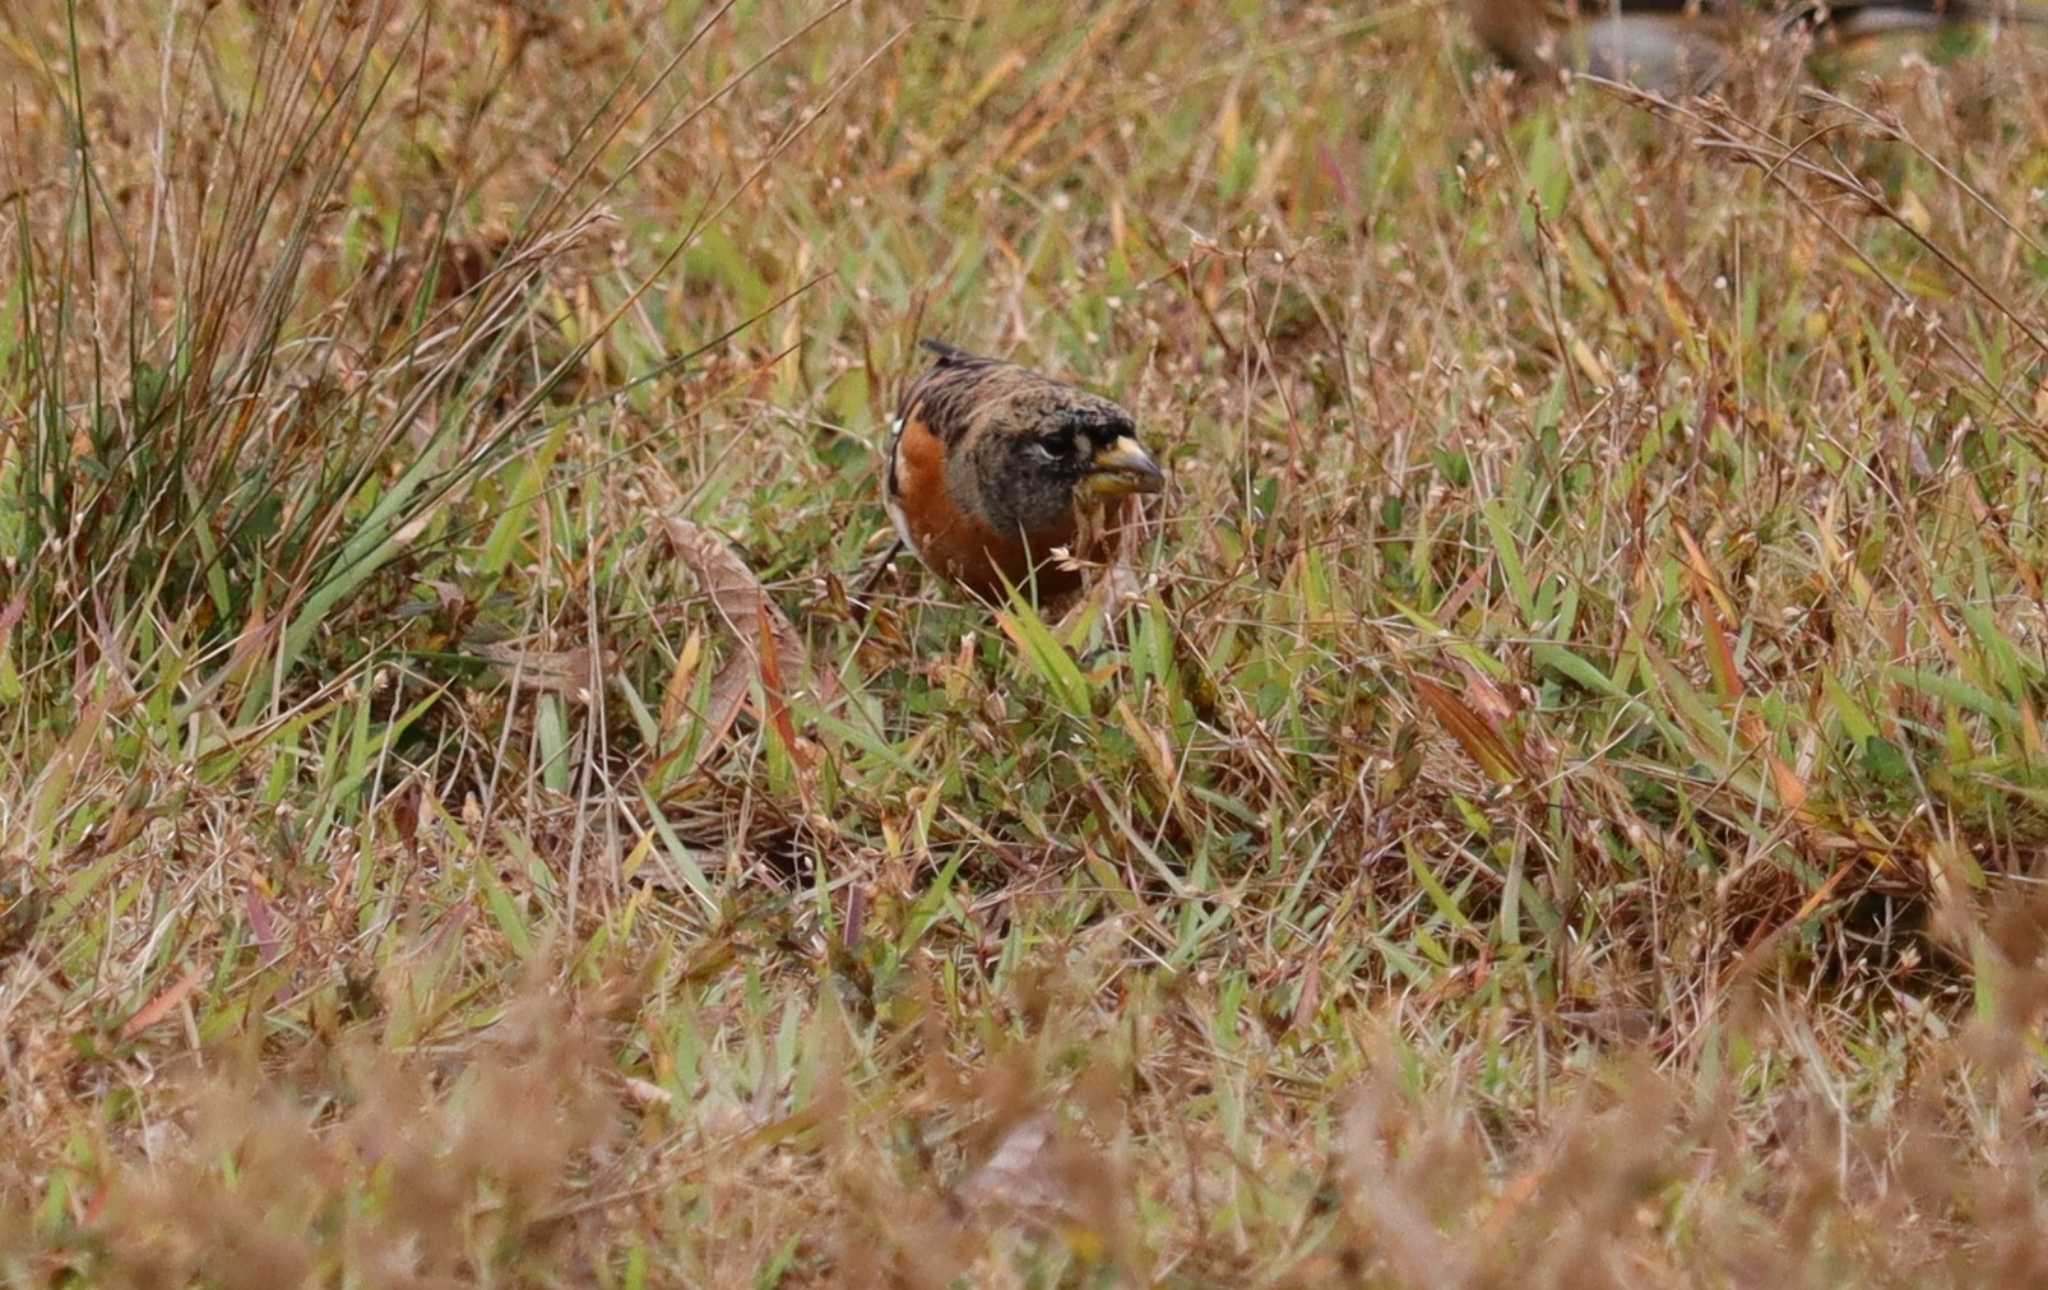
<point>1565,811</point>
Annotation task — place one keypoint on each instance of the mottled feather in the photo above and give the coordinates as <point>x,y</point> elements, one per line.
<point>990,467</point>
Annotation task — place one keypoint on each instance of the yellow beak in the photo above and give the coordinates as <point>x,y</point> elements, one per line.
<point>1123,468</point>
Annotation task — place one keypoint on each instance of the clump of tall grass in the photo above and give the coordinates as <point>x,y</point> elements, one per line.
<point>244,396</point>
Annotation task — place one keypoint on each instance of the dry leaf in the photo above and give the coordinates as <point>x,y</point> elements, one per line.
<point>1791,789</point>
<point>722,707</point>
<point>680,680</point>
<point>12,615</point>
<point>1481,742</point>
<point>576,674</point>
<point>160,1007</point>
<point>646,1093</point>
<point>1019,1174</point>
<point>1720,654</point>
<point>1486,698</point>
<point>744,604</point>
<point>261,925</point>
<point>1696,561</point>
<point>768,644</point>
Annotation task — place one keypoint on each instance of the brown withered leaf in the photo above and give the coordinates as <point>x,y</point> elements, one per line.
<point>773,688</point>
<point>1720,654</point>
<point>1481,742</point>
<point>576,674</point>
<point>722,708</point>
<point>404,808</point>
<point>676,694</point>
<point>12,615</point>
<point>1486,698</point>
<point>1696,563</point>
<point>1022,1172</point>
<point>1792,790</point>
<point>744,604</point>
<point>756,625</point>
<point>162,1005</point>
<point>262,924</point>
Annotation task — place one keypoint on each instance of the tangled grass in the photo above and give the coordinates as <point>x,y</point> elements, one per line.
<point>1564,809</point>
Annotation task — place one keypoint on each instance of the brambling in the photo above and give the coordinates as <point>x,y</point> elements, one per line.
<point>995,469</point>
<point>1684,46</point>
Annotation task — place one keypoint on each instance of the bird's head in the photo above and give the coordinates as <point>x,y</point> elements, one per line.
<point>1048,450</point>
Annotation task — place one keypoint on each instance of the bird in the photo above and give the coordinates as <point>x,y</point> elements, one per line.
<point>1685,47</point>
<point>995,470</point>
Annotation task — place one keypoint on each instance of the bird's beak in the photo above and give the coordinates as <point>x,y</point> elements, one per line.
<point>1123,468</point>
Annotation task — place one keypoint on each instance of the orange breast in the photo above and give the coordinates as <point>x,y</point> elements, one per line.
<point>959,546</point>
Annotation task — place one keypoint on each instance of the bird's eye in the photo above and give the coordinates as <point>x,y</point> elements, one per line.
<point>1050,449</point>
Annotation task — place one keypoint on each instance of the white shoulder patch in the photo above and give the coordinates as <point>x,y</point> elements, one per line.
<point>896,514</point>
<point>902,522</point>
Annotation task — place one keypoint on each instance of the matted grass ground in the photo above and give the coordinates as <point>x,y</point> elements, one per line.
<point>1563,812</point>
